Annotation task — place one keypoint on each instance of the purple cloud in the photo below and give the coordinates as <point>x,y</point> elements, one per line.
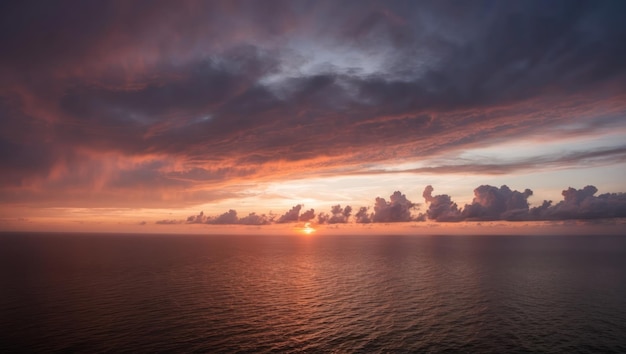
<point>440,207</point>
<point>583,204</point>
<point>197,219</point>
<point>491,203</point>
<point>290,216</point>
<point>338,215</point>
<point>398,209</point>
<point>307,215</point>
<point>363,216</point>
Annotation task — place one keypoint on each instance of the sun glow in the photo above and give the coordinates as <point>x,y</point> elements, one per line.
<point>307,229</point>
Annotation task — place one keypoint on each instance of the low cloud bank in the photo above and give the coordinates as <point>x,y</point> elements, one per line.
<point>489,204</point>
<point>583,204</point>
<point>228,218</point>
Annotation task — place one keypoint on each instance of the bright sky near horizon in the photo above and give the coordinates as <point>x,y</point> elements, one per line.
<point>182,116</point>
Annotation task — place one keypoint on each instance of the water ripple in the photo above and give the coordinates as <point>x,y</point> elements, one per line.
<point>239,294</point>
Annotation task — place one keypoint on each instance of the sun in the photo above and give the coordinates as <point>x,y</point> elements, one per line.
<point>307,229</point>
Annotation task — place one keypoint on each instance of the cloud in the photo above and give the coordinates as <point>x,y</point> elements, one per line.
<point>255,219</point>
<point>583,204</point>
<point>169,222</point>
<point>291,216</point>
<point>307,215</point>
<point>398,209</point>
<point>600,156</point>
<point>440,207</point>
<point>197,219</point>
<point>338,215</point>
<point>228,218</point>
<point>491,203</point>
<point>363,216</point>
<point>289,89</point>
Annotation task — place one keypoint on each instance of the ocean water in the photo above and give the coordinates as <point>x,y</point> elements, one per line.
<point>342,294</point>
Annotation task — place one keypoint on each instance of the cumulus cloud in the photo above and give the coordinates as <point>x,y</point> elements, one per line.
<point>489,204</point>
<point>583,204</point>
<point>228,218</point>
<point>197,219</point>
<point>338,215</point>
<point>397,209</point>
<point>255,219</point>
<point>440,207</point>
<point>492,203</point>
<point>363,216</point>
<point>291,216</point>
<point>307,215</point>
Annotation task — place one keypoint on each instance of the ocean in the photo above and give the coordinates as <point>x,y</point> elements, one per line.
<point>319,294</point>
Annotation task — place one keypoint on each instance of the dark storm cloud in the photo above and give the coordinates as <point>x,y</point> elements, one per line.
<point>67,27</point>
<point>192,87</point>
<point>554,48</point>
<point>228,88</point>
<point>202,103</point>
<point>70,32</point>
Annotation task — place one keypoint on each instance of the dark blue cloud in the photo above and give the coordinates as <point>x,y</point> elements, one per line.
<point>224,98</point>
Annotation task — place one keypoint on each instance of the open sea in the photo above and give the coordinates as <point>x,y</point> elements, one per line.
<point>319,294</point>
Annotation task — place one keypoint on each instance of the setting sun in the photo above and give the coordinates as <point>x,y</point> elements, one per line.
<point>307,229</point>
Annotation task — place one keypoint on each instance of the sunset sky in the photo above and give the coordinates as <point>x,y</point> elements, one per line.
<point>234,116</point>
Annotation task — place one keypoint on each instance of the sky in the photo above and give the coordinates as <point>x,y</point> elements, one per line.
<point>261,116</point>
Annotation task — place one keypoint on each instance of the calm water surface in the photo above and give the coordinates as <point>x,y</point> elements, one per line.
<point>151,293</point>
